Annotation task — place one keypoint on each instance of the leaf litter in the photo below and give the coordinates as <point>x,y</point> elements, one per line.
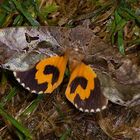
<point>27,116</point>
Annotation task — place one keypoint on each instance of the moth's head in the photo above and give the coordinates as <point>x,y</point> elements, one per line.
<point>75,56</point>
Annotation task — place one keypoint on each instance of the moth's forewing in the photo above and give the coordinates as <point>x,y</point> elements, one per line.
<point>84,90</point>
<point>45,76</point>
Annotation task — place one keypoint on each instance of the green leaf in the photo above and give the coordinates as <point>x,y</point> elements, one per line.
<point>8,98</point>
<point>2,18</point>
<point>15,123</point>
<point>117,28</point>
<point>66,134</point>
<point>113,26</point>
<point>31,20</point>
<point>32,106</point>
<point>7,8</point>
<point>18,20</point>
<point>121,42</point>
<point>117,17</point>
<point>50,8</point>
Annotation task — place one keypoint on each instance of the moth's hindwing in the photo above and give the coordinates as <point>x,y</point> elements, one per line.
<point>84,90</point>
<point>46,76</point>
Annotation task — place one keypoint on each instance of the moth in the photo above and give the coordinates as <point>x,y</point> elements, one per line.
<point>39,59</point>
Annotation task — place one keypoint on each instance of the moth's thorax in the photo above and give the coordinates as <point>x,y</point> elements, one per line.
<point>75,57</point>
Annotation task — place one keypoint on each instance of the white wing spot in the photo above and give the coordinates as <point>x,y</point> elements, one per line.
<point>18,80</point>
<point>76,105</point>
<point>40,92</point>
<point>23,84</point>
<point>33,91</point>
<point>86,110</point>
<point>81,109</point>
<point>98,110</point>
<point>103,107</point>
<point>15,74</point>
<point>92,110</point>
<point>27,88</point>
